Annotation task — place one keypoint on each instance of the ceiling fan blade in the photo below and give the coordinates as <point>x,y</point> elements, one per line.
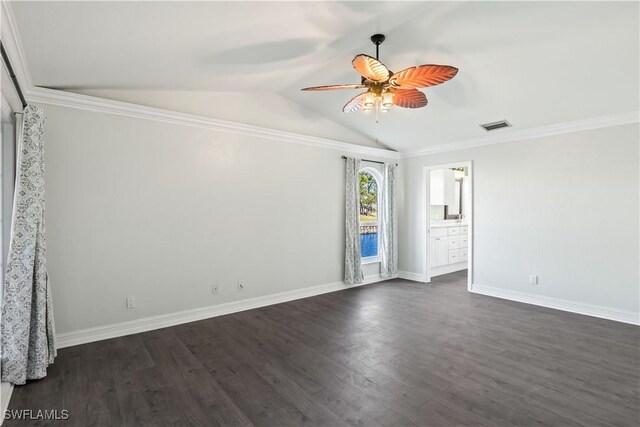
<point>370,68</point>
<point>409,98</point>
<point>354,104</point>
<point>335,87</point>
<point>423,76</point>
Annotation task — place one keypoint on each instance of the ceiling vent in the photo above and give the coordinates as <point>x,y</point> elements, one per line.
<point>495,125</point>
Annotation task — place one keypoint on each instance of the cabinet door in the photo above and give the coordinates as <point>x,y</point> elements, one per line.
<point>441,250</point>
<point>433,250</point>
<point>438,251</point>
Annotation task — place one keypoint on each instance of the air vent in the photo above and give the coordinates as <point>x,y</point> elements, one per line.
<point>495,125</point>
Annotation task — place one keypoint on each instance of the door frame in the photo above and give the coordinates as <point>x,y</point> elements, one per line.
<point>426,190</point>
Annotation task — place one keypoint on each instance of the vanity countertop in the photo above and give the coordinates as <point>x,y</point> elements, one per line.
<point>450,223</point>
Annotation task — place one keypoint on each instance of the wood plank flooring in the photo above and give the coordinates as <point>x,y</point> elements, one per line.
<point>397,353</point>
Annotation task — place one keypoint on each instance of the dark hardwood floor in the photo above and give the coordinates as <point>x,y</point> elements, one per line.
<point>397,353</point>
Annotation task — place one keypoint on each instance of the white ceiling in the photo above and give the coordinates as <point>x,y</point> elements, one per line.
<point>532,63</point>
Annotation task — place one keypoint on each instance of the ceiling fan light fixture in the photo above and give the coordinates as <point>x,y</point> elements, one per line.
<point>386,88</point>
<point>369,101</point>
<point>387,100</point>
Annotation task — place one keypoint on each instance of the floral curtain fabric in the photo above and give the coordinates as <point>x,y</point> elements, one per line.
<point>27,330</point>
<point>352,262</point>
<point>388,224</point>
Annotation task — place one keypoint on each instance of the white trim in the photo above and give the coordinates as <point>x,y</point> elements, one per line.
<point>407,275</point>
<point>519,135</point>
<point>560,304</point>
<point>375,173</point>
<point>449,268</point>
<point>99,333</point>
<point>13,44</point>
<point>92,103</point>
<point>426,190</point>
<point>6,390</point>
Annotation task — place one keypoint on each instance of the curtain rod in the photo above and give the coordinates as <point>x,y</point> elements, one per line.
<point>370,161</point>
<point>5,58</point>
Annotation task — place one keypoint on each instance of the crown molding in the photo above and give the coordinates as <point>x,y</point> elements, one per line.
<point>13,45</point>
<point>11,40</point>
<point>91,103</point>
<point>513,136</point>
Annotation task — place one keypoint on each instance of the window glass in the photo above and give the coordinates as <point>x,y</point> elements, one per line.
<point>368,215</point>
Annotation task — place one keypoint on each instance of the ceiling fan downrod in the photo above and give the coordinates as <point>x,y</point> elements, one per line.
<point>377,39</point>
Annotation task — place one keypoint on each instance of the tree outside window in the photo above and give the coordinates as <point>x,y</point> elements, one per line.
<point>368,214</point>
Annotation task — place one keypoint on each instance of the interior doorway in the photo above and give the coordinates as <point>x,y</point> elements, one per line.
<point>448,219</point>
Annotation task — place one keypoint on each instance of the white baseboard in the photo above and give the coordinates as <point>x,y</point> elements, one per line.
<point>68,339</point>
<point>560,304</point>
<point>6,389</point>
<point>416,277</point>
<point>449,268</point>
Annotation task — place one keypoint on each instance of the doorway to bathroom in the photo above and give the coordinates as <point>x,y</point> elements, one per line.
<point>448,218</point>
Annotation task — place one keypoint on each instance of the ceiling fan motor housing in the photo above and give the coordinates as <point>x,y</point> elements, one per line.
<point>377,39</point>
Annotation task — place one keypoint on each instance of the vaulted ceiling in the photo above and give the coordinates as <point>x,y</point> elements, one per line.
<point>532,63</point>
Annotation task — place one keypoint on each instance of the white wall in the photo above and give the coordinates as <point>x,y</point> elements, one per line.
<point>563,207</point>
<point>163,212</point>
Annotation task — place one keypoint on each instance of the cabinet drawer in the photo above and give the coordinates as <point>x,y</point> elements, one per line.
<point>454,242</point>
<point>464,240</point>
<point>464,230</point>
<point>439,232</point>
<point>454,231</point>
<point>463,255</point>
<point>454,256</point>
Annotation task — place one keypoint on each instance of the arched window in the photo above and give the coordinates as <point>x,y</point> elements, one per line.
<point>369,180</point>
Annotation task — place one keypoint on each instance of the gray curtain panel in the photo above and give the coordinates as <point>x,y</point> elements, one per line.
<point>352,262</point>
<point>388,223</point>
<point>27,331</point>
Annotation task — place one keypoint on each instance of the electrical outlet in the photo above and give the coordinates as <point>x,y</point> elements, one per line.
<point>240,285</point>
<point>533,279</point>
<point>214,289</point>
<point>131,301</point>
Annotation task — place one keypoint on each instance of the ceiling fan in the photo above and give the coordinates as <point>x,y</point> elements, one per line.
<point>386,88</point>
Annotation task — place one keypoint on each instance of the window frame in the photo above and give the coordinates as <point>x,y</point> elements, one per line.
<point>377,175</point>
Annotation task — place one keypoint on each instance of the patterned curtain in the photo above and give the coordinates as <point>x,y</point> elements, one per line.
<point>352,262</point>
<point>388,224</point>
<point>27,331</point>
